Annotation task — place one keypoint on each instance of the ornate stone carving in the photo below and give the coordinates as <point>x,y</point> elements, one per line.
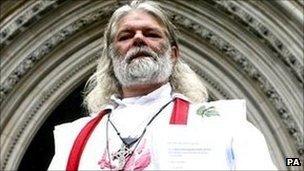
<point>268,38</point>
<point>27,15</point>
<point>301,2</point>
<point>243,64</point>
<point>47,46</point>
<point>250,70</point>
<point>43,99</point>
<point>211,81</point>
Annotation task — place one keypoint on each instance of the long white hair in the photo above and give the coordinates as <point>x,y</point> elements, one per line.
<point>103,83</point>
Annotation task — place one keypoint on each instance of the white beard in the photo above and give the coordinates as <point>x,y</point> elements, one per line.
<point>155,68</point>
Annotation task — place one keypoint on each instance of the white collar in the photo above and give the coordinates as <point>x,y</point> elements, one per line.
<point>164,92</point>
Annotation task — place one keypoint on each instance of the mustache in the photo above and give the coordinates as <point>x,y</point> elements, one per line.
<point>139,52</point>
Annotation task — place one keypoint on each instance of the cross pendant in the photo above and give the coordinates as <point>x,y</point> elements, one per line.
<point>122,156</point>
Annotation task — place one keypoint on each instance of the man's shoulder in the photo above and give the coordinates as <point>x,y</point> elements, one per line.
<point>74,125</point>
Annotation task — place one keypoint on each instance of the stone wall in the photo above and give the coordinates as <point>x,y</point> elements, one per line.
<point>241,49</point>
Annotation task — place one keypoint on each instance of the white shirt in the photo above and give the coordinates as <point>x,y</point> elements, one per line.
<point>220,142</point>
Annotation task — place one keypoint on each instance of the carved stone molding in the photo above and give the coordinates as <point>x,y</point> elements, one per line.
<point>36,107</point>
<point>301,2</point>
<point>218,43</point>
<point>267,36</point>
<point>208,79</point>
<point>47,47</point>
<point>31,13</point>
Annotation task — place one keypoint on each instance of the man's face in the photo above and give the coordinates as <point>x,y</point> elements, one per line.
<point>141,51</point>
<point>139,29</point>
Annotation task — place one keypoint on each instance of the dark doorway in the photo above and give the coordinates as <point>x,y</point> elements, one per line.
<point>41,150</point>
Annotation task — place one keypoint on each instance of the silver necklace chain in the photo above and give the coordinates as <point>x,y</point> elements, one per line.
<point>124,153</point>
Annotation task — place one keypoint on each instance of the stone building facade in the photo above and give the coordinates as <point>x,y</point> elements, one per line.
<point>240,49</point>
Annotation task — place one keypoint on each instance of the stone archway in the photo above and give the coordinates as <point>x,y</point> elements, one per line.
<point>241,49</point>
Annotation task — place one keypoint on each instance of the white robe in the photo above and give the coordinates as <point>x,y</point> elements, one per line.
<point>224,142</point>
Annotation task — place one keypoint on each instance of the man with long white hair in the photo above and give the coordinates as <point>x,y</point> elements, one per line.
<point>149,110</point>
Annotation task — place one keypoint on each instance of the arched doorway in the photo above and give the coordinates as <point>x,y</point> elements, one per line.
<point>250,50</point>
<point>41,150</point>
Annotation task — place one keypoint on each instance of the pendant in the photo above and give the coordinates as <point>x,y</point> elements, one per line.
<point>125,152</point>
<point>122,156</point>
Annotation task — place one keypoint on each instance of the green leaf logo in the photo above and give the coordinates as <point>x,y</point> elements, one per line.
<point>207,111</point>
